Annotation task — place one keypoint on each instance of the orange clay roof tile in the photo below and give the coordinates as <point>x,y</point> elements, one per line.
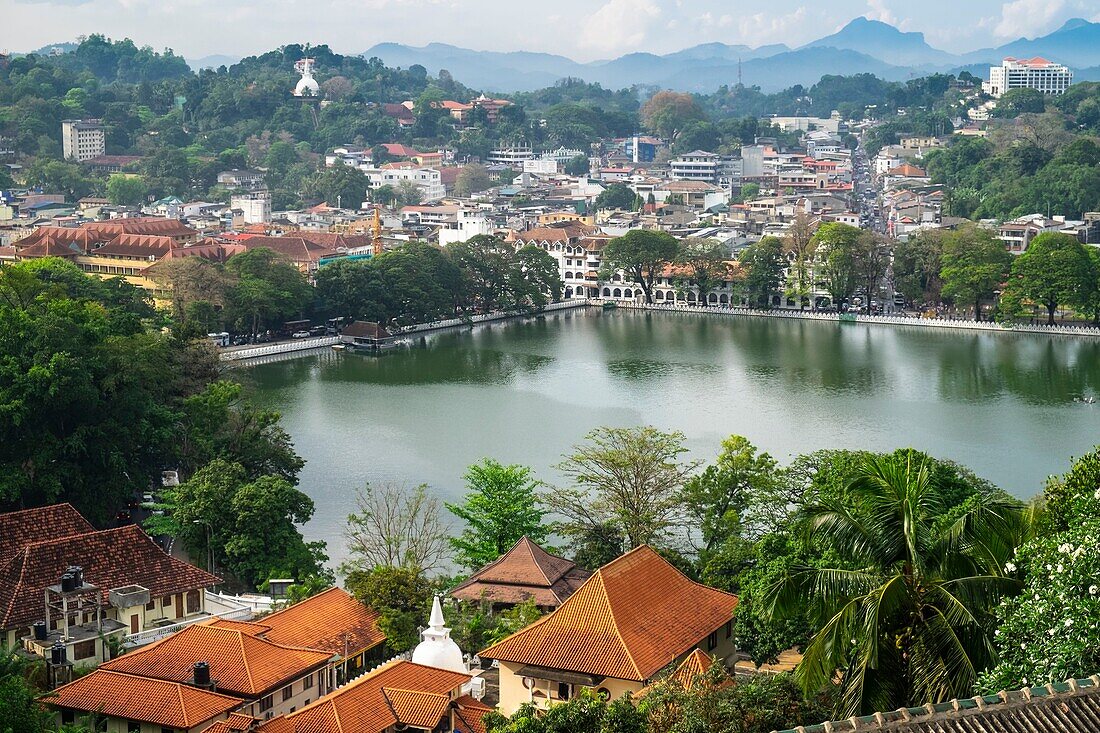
<point>240,664</point>
<point>633,617</point>
<point>526,572</point>
<point>332,621</point>
<point>158,702</point>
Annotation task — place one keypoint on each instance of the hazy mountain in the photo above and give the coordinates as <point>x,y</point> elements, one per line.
<point>886,43</point>
<point>212,62</point>
<point>862,45</point>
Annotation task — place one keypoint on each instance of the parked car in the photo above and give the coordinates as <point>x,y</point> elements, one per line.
<point>300,335</point>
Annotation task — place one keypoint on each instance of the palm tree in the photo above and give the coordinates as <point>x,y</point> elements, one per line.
<point>903,610</point>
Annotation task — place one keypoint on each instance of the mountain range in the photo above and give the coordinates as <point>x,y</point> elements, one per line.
<point>861,46</point>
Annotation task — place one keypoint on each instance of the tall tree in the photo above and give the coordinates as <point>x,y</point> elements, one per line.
<point>642,256</point>
<point>975,265</point>
<point>837,257</point>
<point>799,245</point>
<point>396,527</point>
<point>472,179</point>
<point>903,617</point>
<point>627,479</point>
<point>763,263</point>
<point>1055,270</point>
<point>268,288</point>
<point>704,264</point>
<point>668,113</point>
<point>501,506</point>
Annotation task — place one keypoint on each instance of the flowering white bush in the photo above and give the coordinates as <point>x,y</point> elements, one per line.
<point>1051,631</point>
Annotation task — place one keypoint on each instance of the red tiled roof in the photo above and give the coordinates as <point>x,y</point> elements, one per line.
<point>332,621</point>
<point>361,706</point>
<point>525,572</point>
<point>470,715</point>
<point>634,616</point>
<point>240,663</point>
<point>168,704</point>
<point>111,558</point>
<point>416,708</point>
<point>154,225</point>
<point>136,245</point>
<point>19,529</point>
<point>297,248</point>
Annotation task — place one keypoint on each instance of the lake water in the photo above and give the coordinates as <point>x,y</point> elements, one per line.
<point>525,391</point>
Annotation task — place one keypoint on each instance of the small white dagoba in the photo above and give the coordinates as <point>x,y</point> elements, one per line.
<point>437,648</point>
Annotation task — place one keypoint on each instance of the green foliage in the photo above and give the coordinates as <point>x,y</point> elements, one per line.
<point>474,626</point>
<point>125,190</point>
<point>500,507</point>
<point>642,255</point>
<point>704,264</point>
<point>1049,633</point>
<point>577,166</point>
<point>838,246</point>
<point>905,614</point>
<point>1016,102</point>
<point>975,264</point>
<point>1055,270</point>
<point>339,185</point>
<point>268,289</point>
<point>402,596</point>
<point>472,179</point>
<point>617,196</point>
<point>583,713</point>
<point>20,711</point>
<point>763,263</point>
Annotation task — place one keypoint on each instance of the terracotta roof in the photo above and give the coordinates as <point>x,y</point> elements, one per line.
<point>1069,707</point>
<point>525,572</point>
<point>470,715</point>
<point>145,246</point>
<point>365,329</point>
<point>297,248</point>
<point>19,529</point>
<point>633,617</point>
<point>111,558</point>
<point>240,663</point>
<point>416,708</point>
<point>908,171</point>
<point>332,621</point>
<point>248,627</point>
<point>168,704</point>
<point>361,706</point>
<point>235,723</point>
<point>694,665</point>
<point>154,225</point>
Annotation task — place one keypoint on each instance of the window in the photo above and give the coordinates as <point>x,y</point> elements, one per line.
<point>151,605</point>
<point>166,601</point>
<point>133,726</point>
<point>288,692</point>
<point>266,703</point>
<point>563,690</point>
<point>167,730</point>
<point>68,717</point>
<point>84,649</point>
<point>193,601</point>
<point>712,640</point>
<point>729,629</point>
<point>307,682</point>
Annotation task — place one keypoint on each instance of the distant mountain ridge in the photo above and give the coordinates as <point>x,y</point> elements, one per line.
<point>861,46</point>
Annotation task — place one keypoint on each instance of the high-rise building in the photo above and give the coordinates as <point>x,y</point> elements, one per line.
<point>83,139</point>
<point>1035,73</point>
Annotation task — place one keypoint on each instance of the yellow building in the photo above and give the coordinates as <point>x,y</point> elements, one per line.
<point>633,619</point>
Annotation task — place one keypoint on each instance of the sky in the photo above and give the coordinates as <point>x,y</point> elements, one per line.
<point>581,29</point>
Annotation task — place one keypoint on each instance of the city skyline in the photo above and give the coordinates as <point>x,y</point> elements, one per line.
<point>196,28</point>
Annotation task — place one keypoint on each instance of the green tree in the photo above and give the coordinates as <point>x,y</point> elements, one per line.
<point>705,264</point>
<point>668,113</point>
<point>396,526</point>
<point>627,479</point>
<point>20,710</point>
<point>125,190</point>
<point>472,179</point>
<point>339,185</point>
<point>501,506</point>
<point>763,264</point>
<point>402,596</point>
<point>917,266</point>
<point>1016,102</point>
<point>408,193</point>
<point>577,166</point>
<point>616,196</point>
<point>837,247</point>
<point>642,256</point>
<point>1055,270</point>
<point>268,288</point>
<point>975,265</point>
<point>905,617</point>
<point>1049,633</point>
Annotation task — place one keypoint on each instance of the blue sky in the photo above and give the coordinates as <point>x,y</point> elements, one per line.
<point>582,29</point>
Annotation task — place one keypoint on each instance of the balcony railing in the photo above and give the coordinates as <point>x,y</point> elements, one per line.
<point>148,636</point>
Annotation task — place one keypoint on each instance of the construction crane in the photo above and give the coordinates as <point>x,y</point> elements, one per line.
<point>376,228</point>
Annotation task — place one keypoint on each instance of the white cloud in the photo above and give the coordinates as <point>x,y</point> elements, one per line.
<point>619,25</point>
<point>1027,17</point>
<point>761,28</point>
<point>877,10</point>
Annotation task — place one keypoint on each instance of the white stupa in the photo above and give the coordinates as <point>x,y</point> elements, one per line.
<point>437,648</point>
<point>307,86</point>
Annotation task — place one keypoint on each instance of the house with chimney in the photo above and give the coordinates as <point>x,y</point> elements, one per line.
<point>66,586</point>
<point>632,620</point>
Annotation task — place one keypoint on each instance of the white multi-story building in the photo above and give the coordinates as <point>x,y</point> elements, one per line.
<point>428,180</point>
<point>1035,73</point>
<point>83,139</point>
<point>255,206</point>
<point>512,157</point>
<point>698,165</point>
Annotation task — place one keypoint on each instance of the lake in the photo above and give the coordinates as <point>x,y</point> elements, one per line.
<point>525,391</point>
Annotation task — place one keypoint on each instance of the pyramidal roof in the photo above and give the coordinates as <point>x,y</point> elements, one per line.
<point>633,617</point>
<point>525,572</point>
